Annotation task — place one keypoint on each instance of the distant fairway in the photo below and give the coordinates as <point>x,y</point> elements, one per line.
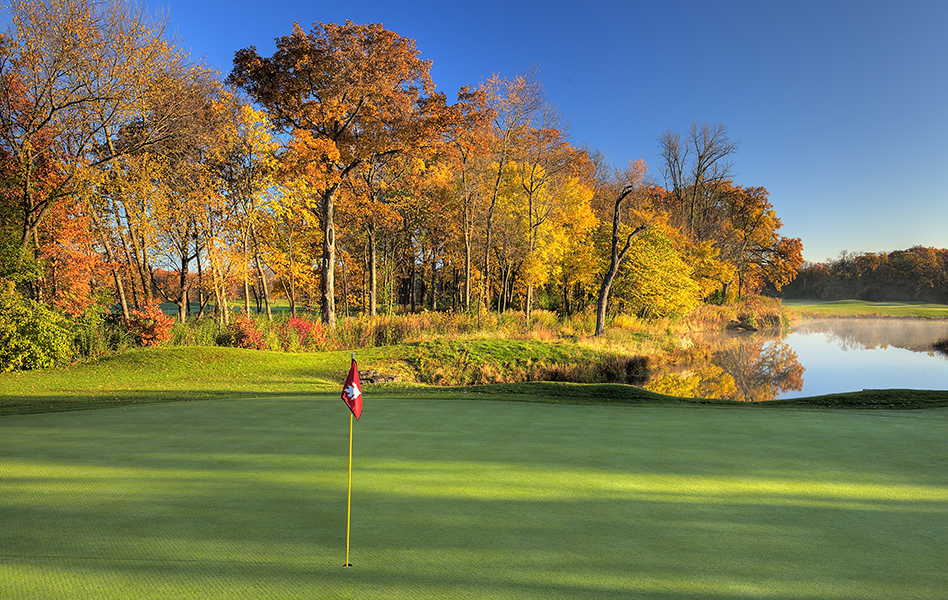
<point>863,308</point>
<point>473,499</point>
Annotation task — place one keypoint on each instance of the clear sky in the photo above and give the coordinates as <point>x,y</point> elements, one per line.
<point>840,106</point>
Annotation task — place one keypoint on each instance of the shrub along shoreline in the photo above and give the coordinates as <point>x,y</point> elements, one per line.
<point>429,353</point>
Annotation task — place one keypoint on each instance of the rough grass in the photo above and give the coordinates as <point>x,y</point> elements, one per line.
<point>462,499</point>
<point>756,311</point>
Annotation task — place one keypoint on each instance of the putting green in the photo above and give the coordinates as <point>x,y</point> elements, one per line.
<point>473,499</point>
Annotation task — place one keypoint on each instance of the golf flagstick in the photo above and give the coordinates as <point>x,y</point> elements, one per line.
<point>352,396</point>
<point>349,501</point>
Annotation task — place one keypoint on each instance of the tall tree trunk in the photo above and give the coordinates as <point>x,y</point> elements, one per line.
<point>373,278</point>
<point>110,257</point>
<point>328,288</point>
<point>434,284</point>
<point>411,276</point>
<point>528,306</point>
<point>246,294</point>
<point>181,300</point>
<point>292,277</point>
<point>260,274</point>
<point>566,306</point>
<point>468,253</point>
<point>200,282</point>
<point>129,273</point>
<point>616,257</point>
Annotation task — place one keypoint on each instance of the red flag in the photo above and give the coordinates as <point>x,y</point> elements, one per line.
<point>352,391</point>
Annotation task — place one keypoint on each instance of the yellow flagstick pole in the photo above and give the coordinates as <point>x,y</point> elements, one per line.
<point>349,502</point>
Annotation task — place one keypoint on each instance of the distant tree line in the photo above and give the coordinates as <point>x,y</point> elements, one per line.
<point>918,274</point>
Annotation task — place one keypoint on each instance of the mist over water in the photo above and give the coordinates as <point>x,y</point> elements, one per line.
<point>820,356</point>
<point>916,335</point>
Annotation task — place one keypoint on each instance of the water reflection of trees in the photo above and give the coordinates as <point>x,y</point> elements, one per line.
<point>746,367</point>
<point>917,335</point>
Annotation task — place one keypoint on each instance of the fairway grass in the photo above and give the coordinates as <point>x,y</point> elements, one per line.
<point>863,308</point>
<point>455,498</point>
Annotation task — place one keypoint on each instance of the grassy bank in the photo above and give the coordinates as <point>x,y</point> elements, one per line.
<point>162,375</point>
<point>472,499</point>
<point>860,308</point>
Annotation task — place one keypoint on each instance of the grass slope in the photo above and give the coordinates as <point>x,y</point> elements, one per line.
<point>149,375</point>
<point>159,375</point>
<point>606,394</point>
<point>473,499</point>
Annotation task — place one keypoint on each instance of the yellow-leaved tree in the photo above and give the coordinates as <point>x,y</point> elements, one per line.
<point>244,162</point>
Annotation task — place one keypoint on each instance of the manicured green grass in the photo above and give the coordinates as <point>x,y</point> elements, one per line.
<point>860,308</point>
<point>150,375</point>
<point>161,375</point>
<point>484,499</point>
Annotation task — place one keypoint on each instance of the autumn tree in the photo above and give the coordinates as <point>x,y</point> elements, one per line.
<point>513,104</point>
<point>654,281</point>
<point>75,277</point>
<point>289,240</point>
<point>243,163</point>
<point>623,189</point>
<point>751,243</point>
<point>75,73</point>
<point>184,179</point>
<point>355,89</point>
<point>467,137</point>
<point>550,173</point>
<point>694,167</point>
<point>300,177</point>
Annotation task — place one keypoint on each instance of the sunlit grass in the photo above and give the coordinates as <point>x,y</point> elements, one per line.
<point>162,375</point>
<point>861,308</point>
<point>455,498</point>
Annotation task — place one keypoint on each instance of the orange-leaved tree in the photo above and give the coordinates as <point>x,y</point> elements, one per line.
<point>357,88</point>
<point>75,73</point>
<point>751,242</point>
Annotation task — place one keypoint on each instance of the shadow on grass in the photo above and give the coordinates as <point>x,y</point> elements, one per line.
<point>489,500</point>
<point>545,392</point>
<point>455,547</point>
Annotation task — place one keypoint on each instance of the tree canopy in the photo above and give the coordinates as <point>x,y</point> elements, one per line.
<point>333,174</point>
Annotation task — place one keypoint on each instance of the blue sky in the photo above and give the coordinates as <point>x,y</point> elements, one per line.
<point>840,107</point>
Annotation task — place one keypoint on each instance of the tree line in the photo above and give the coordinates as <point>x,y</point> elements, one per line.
<point>918,274</point>
<point>334,175</point>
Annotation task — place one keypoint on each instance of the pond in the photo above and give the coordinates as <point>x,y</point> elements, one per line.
<point>818,356</point>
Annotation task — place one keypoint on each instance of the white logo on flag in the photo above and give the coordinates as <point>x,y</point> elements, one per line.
<point>353,391</point>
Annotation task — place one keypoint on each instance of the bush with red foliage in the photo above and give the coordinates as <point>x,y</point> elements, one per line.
<point>150,326</point>
<point>309,333</point>
<point>246,335</point>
